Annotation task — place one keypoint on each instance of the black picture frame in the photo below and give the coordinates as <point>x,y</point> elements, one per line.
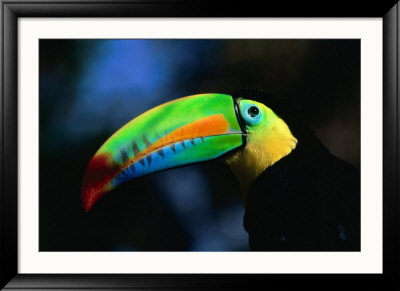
<point>12,10</point>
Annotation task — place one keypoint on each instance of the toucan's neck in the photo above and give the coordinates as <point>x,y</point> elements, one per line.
<point>248,163</point>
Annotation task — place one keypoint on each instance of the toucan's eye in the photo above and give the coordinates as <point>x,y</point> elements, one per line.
<point>253,111</point>
<point>250,112</point>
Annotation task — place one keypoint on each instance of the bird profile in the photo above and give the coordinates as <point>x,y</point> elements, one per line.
<point>297,196</point>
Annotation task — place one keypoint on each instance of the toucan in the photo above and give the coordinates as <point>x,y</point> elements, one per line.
<point>297,195</point>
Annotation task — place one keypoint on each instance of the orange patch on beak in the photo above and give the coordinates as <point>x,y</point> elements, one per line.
<point>207,126</point>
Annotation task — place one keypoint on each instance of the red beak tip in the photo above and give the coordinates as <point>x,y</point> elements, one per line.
<point>98,173</point>
<point>90,196</point>
<point>86,207</point>
<point>86,203</point>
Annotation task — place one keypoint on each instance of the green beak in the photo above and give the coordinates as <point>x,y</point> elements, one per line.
<point>181,132</point>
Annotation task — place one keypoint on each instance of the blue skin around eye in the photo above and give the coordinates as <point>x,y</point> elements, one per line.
<point>248,118</point>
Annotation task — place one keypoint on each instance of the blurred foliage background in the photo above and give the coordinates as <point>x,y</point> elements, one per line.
<point>90,88</point>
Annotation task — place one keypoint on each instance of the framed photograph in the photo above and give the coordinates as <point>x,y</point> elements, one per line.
<point>173,145</point>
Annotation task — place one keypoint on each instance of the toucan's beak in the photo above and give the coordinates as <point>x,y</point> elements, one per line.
<point>181,132</point>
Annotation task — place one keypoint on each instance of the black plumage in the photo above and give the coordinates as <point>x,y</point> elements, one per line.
<point>308,200</point>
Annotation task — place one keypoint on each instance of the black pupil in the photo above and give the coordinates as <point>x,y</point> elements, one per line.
<point>253,111</point>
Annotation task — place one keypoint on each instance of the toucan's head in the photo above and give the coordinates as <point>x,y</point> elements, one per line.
<point>246,134</point>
